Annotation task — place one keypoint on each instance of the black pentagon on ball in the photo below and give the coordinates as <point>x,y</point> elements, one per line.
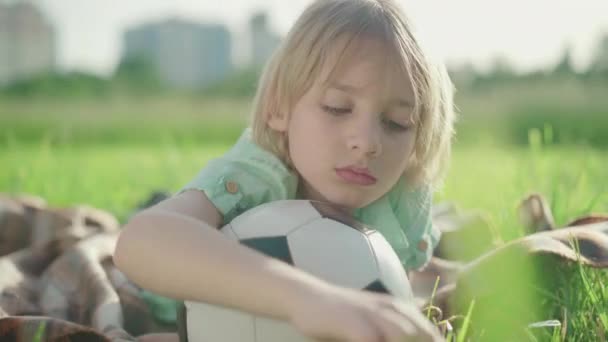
<point>333,212</point>
<point>273,246</point>
<point>377,286</point>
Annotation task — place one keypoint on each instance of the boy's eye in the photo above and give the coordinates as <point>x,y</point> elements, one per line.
<point>335,110</point>
<point>393,126</point>
<point>390,124</point>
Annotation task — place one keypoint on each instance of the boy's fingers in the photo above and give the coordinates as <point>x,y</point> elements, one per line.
<point>413,317</point>
<point>395,328</point>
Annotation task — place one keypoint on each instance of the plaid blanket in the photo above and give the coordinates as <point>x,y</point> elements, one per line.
<point>57,279</point>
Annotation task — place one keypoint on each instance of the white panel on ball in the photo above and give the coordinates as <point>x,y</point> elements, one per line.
<point>391,271</point>
<point>351,263</point>
<point>208,323</point>
<point>284,216</point>
<point>270,330</point>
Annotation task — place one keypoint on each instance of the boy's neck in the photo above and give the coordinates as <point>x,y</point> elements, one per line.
<point>303,194</point>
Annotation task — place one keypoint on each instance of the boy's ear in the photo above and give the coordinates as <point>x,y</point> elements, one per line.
<point>278,122</point>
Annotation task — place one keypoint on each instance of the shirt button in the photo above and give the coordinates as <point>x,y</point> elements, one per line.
<point>423,245</point>
<point>232,187</point>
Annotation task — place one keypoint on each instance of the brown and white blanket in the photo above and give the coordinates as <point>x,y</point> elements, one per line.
<point>57,279</point>
<point>58,282</point>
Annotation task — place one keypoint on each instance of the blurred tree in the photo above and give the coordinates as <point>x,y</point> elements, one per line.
<point>564,66</point>
<point>463,75</point>
<point>599,64</point>
<point>138,75</point>
<point>55,84</point>
<point>501,69</point>
<point>500,72</point>
<point>242,83</point>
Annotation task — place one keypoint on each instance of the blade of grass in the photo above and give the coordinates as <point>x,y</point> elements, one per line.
<point>465,324</point>
<point>40,332</point>
<point>428,313</point>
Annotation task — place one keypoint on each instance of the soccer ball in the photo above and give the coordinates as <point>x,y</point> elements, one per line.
<point>312,236</point>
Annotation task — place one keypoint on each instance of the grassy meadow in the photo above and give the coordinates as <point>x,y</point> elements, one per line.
<point>113,152</point>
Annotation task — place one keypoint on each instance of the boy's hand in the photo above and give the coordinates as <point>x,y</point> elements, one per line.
<point>341,314</point>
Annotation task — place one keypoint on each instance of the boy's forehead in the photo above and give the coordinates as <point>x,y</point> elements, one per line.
<point>357,50</point>
<point>364,61</point>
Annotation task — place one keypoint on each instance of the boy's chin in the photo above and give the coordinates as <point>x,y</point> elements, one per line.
<point>344,198</point>
<point>347,202</point>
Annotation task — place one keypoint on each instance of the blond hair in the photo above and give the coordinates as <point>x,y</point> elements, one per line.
<point>297,63</point>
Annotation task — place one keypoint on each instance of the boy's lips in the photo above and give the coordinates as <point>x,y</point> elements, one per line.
<point>360,176</point>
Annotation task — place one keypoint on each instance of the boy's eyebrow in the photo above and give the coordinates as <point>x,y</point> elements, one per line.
<point>344,87</point>
<point>403,103</point>
<point>347,88</point>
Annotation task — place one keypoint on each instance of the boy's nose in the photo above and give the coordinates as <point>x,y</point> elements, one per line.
<point>365,139</point>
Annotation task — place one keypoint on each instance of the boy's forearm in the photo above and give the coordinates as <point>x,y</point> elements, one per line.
<point>181,257</point>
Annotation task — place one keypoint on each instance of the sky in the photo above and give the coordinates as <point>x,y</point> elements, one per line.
<point>530,34</point>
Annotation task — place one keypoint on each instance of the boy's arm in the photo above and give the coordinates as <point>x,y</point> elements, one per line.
<point>192,203</point>
<point>175,249</point>
<point>169,251</point>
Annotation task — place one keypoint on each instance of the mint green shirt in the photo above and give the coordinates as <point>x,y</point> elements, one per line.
<point>258,176</point>
<point>401,216</point>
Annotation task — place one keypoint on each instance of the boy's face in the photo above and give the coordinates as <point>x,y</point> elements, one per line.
<point>351,138</point>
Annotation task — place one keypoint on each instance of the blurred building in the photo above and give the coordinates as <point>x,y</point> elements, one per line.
<point>263,40</point>
<point>27,42</point>
<point>186,54</point>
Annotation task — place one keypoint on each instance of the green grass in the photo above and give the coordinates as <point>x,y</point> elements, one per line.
<point>113,153</point>
<point>570,111</point>
<point>493,180</point>
<point>114,178</point>
<point>179,119</point>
